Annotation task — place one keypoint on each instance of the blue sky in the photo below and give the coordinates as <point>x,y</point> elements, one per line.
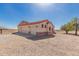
<point>58,14</point>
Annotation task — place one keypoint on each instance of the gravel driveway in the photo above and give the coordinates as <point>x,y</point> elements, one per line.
<point>61,44</point>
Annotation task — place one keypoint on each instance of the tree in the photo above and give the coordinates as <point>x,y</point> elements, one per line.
<point>69,26</point>
<point>64,27</point>
<point>75,24</point>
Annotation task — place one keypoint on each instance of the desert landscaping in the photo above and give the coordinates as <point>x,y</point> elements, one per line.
<point>60,44</point>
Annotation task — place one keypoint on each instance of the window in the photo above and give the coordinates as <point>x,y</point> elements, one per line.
<point>42,25</point>
<point>45,26</point>
<point>49,28</point>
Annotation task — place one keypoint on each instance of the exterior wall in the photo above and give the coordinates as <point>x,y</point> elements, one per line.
<point>50,31</point>
<point>23,29</point>
<point>36,28</point>
<point>51,26</point>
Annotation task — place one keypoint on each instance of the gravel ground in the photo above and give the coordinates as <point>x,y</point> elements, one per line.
<point>60,45</point>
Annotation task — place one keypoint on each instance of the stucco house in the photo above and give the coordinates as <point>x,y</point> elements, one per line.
<point>43,27</point>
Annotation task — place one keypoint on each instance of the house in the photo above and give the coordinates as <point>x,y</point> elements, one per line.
<point>43,27</point>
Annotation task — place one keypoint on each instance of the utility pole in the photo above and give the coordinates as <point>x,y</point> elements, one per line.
<point>76,27</point>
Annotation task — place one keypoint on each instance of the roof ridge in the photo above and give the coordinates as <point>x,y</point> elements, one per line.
<point>30,23</point>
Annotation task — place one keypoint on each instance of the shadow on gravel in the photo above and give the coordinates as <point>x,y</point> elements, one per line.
<point>71,34</point>
<point>33,37</point>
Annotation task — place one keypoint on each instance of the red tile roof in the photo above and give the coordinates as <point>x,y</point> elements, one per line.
<point>39,22</point>
<point>23,23</point>
<point>27,23</point>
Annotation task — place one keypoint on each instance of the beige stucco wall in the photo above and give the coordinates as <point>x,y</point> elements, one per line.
<point>35,28</point>
<point>50,25</point>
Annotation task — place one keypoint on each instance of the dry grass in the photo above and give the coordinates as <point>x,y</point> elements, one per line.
<point>61,44</point>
